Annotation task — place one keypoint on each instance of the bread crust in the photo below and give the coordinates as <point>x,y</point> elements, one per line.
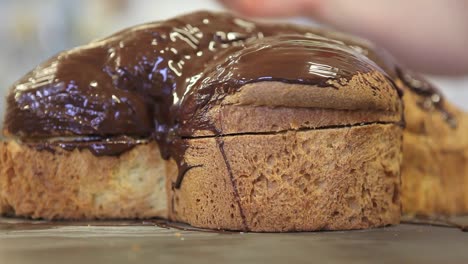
<point>364,91</point>
<point>238,119</point>
<point>275,106</point>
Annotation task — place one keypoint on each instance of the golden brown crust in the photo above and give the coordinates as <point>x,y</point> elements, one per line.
<point>345,178</point>
<point>232,119</point>
<point>435,161</point>
<point>275,106</point>
<point>79,185</point>
<point>369,91</point>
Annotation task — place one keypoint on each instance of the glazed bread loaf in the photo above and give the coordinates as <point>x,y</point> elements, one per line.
<point>304,169</point>
<point>215,121</point>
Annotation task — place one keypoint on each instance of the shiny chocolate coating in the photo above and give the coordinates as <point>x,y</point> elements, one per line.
<point>157,81</point>
<point>149,80</point>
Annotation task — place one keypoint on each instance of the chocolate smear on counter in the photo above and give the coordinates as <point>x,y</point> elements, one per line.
<point>162,223</point>
<point>441,221</point>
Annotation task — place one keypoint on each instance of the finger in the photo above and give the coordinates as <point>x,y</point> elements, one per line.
<point>408,30</point>
<point>274,7</point>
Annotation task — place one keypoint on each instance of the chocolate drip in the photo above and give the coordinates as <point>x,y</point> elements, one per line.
<point>435,221</point>
<point>158,80</point>
<point>220,143</point>
<point>162,223</point>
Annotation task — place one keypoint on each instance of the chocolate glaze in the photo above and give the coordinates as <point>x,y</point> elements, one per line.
<point>157,81</point>
<point>434,221</point>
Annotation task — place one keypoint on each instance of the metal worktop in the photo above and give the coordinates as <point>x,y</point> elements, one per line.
<point>37,242</point>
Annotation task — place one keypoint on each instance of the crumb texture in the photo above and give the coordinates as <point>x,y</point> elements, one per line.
<point>435,161</point>
<point>77,185</point>
<point>346,178</point>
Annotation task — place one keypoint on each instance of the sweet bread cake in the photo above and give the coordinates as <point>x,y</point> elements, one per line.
<point>222,123</point>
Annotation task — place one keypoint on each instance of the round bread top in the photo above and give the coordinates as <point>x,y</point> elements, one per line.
<point>298,71</point>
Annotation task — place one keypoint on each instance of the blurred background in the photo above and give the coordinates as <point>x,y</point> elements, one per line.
<point>33,30</point>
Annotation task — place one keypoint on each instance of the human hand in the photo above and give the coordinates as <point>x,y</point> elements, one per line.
<point>427,35</point>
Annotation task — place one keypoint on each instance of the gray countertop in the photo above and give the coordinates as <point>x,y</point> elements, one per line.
<point>37,242</point>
